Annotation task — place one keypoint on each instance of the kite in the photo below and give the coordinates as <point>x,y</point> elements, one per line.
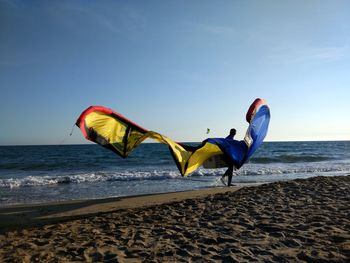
<point>121,135</point>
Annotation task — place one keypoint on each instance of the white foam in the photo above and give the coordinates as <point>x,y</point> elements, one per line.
<point>165,174</point>
<point>88,178</point>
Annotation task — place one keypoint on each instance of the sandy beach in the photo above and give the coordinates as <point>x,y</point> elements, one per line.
<point>297,221</point>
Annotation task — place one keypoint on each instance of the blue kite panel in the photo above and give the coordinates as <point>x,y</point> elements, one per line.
<point>238,152</point>
<point>258,129</point>
<point>234,150</point>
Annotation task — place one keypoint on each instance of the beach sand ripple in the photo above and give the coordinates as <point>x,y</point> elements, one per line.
<point>297,221</point>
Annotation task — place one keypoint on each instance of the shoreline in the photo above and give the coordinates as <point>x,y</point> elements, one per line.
<point>20,216</point>
<point>304,220</point>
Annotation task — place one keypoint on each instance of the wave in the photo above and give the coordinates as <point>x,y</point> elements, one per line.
<point>86,178</point>
<point>291,159</point>
<point>47,166</point>
<point>161,174</point>
<point>257,171</point>
<point>76,166</point>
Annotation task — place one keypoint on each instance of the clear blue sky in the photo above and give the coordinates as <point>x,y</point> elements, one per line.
<point>175,67</point>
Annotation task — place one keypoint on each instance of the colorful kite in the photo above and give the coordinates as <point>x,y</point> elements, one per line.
<point>115,132</point>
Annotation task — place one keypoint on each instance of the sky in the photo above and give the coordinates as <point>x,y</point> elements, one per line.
<point>174,67</point>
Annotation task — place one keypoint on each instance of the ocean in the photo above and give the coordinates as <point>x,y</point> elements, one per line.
<point>37,174</point>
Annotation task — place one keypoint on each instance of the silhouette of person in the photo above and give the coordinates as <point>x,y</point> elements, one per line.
<point>231,168</point>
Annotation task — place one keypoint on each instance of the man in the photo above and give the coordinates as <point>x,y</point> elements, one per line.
<point>231,168</point>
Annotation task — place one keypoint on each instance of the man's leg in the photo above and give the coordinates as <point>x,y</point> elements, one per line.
<point>229,180</point>
<point>228,173</point>
<point>234,171</point>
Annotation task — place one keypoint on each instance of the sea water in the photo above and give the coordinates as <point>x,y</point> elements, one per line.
<point>35,174</point>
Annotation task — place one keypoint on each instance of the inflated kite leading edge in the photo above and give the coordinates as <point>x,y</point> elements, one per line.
<point>115,132</point>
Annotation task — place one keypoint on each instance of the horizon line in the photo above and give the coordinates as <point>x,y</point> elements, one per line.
<point>52,144</point>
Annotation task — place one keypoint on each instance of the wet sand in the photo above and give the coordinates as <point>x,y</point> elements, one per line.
<point>297,221</point>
